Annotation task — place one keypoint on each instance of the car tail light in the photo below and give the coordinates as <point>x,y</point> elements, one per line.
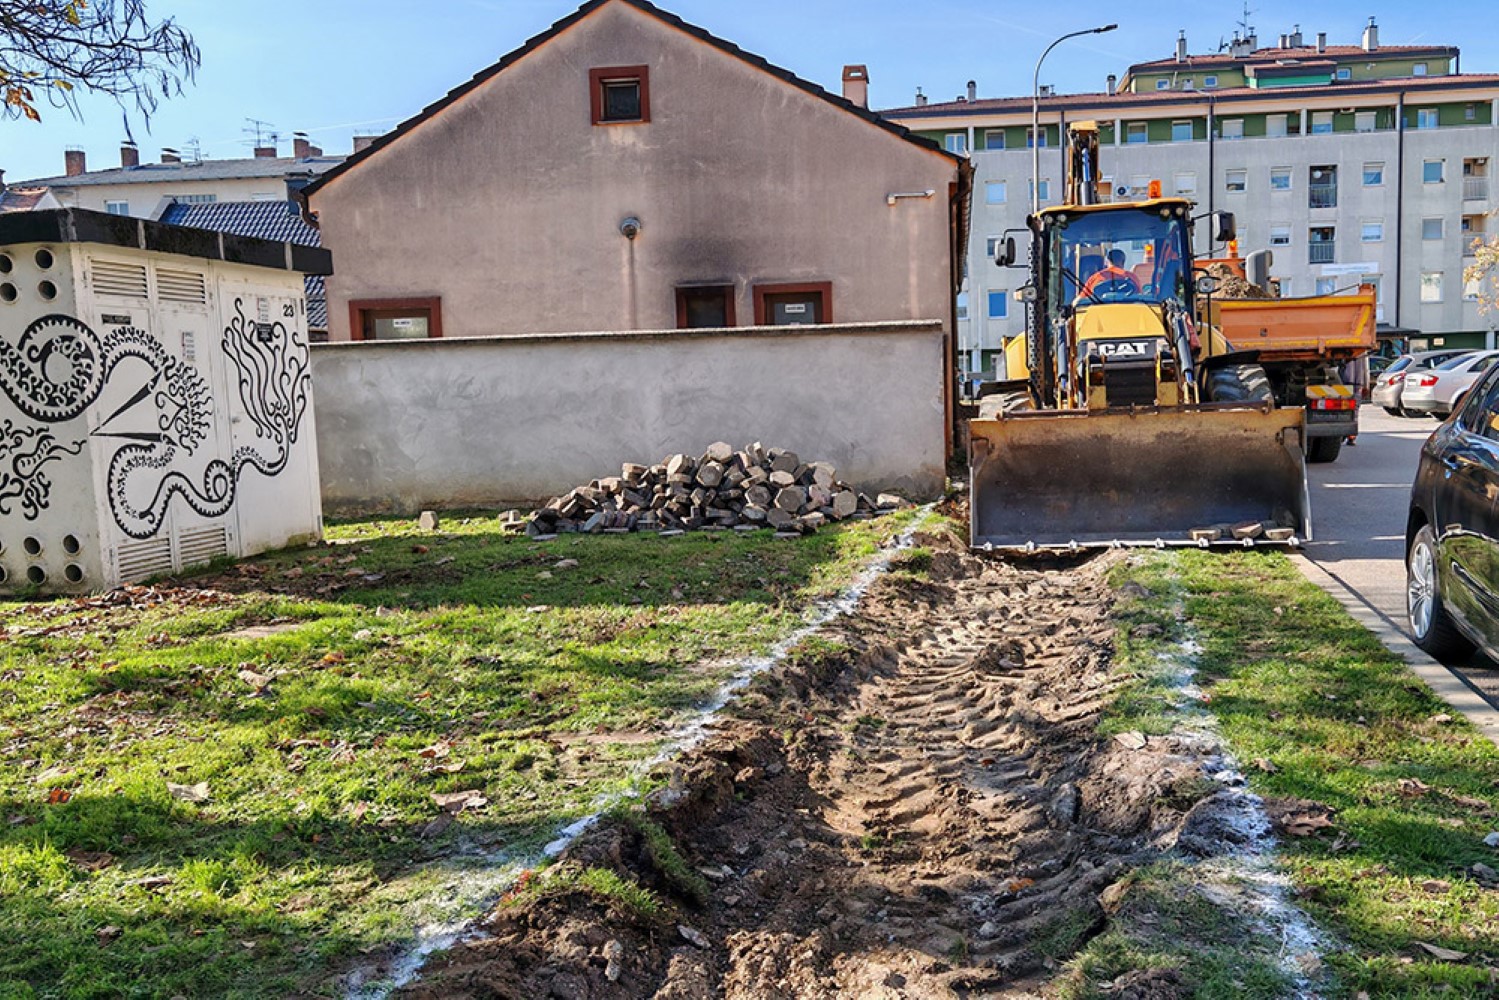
<point>1427,380</point>
<point>1333,403</point>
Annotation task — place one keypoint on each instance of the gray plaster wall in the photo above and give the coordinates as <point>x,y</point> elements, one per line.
<point>507,204</point>
<point>495,421</point>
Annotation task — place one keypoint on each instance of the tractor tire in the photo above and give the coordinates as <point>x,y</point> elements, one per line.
<point>1239,384</point>
<point>1323,449</point>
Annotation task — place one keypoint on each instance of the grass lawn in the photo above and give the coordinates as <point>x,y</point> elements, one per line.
<point>237,783</point>
<point>1327,723</point>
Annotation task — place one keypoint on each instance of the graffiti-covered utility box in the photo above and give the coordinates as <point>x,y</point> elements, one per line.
<point>155,399</point>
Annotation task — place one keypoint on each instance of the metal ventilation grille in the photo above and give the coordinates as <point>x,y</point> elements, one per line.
<point>200,545</point>
<point>181,286</point>
<point>114,277</point>
<point>139,559</point>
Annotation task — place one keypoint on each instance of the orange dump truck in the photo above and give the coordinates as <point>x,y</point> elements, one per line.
<point>1301,343</point>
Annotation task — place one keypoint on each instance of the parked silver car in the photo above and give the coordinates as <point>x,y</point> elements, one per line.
<point>1389,385</point>
<point>1435,392</point>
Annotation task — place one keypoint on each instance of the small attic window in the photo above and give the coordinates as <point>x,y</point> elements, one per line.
<point>620,95</point>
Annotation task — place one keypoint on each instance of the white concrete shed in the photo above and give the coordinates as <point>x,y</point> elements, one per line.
<point>155,399</point>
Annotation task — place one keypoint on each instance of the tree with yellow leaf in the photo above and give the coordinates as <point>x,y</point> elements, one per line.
<point>52,49</point>
<point>1483,273</point>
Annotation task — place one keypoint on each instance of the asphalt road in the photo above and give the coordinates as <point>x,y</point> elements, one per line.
<point>1359,507</point>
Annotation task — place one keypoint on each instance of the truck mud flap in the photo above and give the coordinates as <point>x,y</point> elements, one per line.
<point>1067,480</point>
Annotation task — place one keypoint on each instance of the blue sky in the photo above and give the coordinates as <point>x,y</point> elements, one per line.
<point>334,68</point>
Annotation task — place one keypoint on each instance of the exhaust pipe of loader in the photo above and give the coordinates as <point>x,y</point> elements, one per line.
<point>1196,475</point>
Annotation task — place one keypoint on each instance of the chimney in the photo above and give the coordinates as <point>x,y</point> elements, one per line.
<point>170,155</point>
<point>2,181</point>
<point>1321,42</point>
<point>1252,39</point>
<point>920,98</point>
<point>1181,46</point>
<point>1285,41</point>
<point>265,152</point>
<point>856,85</point>
<point>1371,36</point>
<point>300,147</point>
<point>1113,84</point>
<point>973,91</point>
<point>74,162</point>
<point>364,142</point>
<point>130,156</point>
<point>1296,36</point>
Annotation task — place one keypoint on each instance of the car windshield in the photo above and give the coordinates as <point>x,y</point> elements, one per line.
<point>1118,255</point>
<point>1400,365</point>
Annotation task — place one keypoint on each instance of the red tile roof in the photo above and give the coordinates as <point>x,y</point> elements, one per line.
<point>1299,52</point>
<point>1105,103</point>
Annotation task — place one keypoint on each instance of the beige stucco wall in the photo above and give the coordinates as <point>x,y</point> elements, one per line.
<point>145,198</point>
<point>507,204</point>
<point>484,421</point>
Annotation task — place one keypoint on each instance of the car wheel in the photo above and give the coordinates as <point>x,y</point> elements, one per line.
<point>1392,411</point>
<point>1430,626</point>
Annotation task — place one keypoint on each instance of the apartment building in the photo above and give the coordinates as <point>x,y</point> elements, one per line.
<point>144,190</point>
<point>1354,163</point>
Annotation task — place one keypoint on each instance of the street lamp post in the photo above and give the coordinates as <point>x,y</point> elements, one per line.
<point>1212,115</point>
<point>1036,112</point>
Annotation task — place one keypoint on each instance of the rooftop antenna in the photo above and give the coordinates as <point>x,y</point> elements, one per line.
<point>194,149</point>
<point>264,132</point>
<point>1245,28</point>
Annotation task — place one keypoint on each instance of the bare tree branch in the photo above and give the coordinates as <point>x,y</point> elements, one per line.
<point>51,49</point>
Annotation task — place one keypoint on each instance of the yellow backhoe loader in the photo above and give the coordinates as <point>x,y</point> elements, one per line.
<point>1123,420</point>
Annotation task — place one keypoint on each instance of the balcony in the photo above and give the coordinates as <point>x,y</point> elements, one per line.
<point>1475,189</point>
<point>1320,253</point>
<point>1323,196</point>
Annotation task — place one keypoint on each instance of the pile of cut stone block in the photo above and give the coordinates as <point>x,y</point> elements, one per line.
<point>722,489</point>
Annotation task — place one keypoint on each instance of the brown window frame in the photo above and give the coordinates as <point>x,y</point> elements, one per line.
<point>610,74</point>
<point>825,288</point>
<point>358,308</point>
<point>728,292</point>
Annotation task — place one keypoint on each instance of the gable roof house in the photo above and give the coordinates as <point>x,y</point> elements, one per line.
<point>625,170</point>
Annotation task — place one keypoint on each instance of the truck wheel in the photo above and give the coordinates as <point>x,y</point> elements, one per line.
<point>1239,384</point>
<point>1323,449</point>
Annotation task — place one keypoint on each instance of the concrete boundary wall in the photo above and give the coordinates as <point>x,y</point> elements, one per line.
<point>506,420</point>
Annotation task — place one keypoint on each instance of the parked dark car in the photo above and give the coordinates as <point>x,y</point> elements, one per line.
<point>1452,536</point>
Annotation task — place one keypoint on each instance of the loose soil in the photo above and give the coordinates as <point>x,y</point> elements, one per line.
<point>919,806</point>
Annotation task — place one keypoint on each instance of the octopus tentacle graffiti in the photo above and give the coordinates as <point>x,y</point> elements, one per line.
<point>60,367</point>
<point>24,455</point>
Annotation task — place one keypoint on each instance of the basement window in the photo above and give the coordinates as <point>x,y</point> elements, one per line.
<point>395,319</point>
<point>705,307</point>
<point>620,95</point>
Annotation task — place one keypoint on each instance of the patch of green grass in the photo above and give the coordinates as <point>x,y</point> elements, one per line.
<point>603,884</point>
<point>1338,720</point>
<point>1164,923</point>
<point>324,695</point>
<point>664,856</point>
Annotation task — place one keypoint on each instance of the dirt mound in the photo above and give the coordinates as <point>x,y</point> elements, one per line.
<point>926,811</point>
<point>1231,286</point>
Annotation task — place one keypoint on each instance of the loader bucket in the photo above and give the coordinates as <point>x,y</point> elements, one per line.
<point>1071,479</point>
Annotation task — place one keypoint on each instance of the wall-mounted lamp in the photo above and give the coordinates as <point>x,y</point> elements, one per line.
<point>890,199</point>
<point>630,227</point>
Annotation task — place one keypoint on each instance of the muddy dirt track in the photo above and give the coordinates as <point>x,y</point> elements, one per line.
<point>925,810</point>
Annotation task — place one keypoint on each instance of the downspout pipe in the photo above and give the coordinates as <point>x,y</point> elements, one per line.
<point>1399,202</point>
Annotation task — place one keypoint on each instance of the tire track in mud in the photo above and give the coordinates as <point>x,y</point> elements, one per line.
<point>927,812</point>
